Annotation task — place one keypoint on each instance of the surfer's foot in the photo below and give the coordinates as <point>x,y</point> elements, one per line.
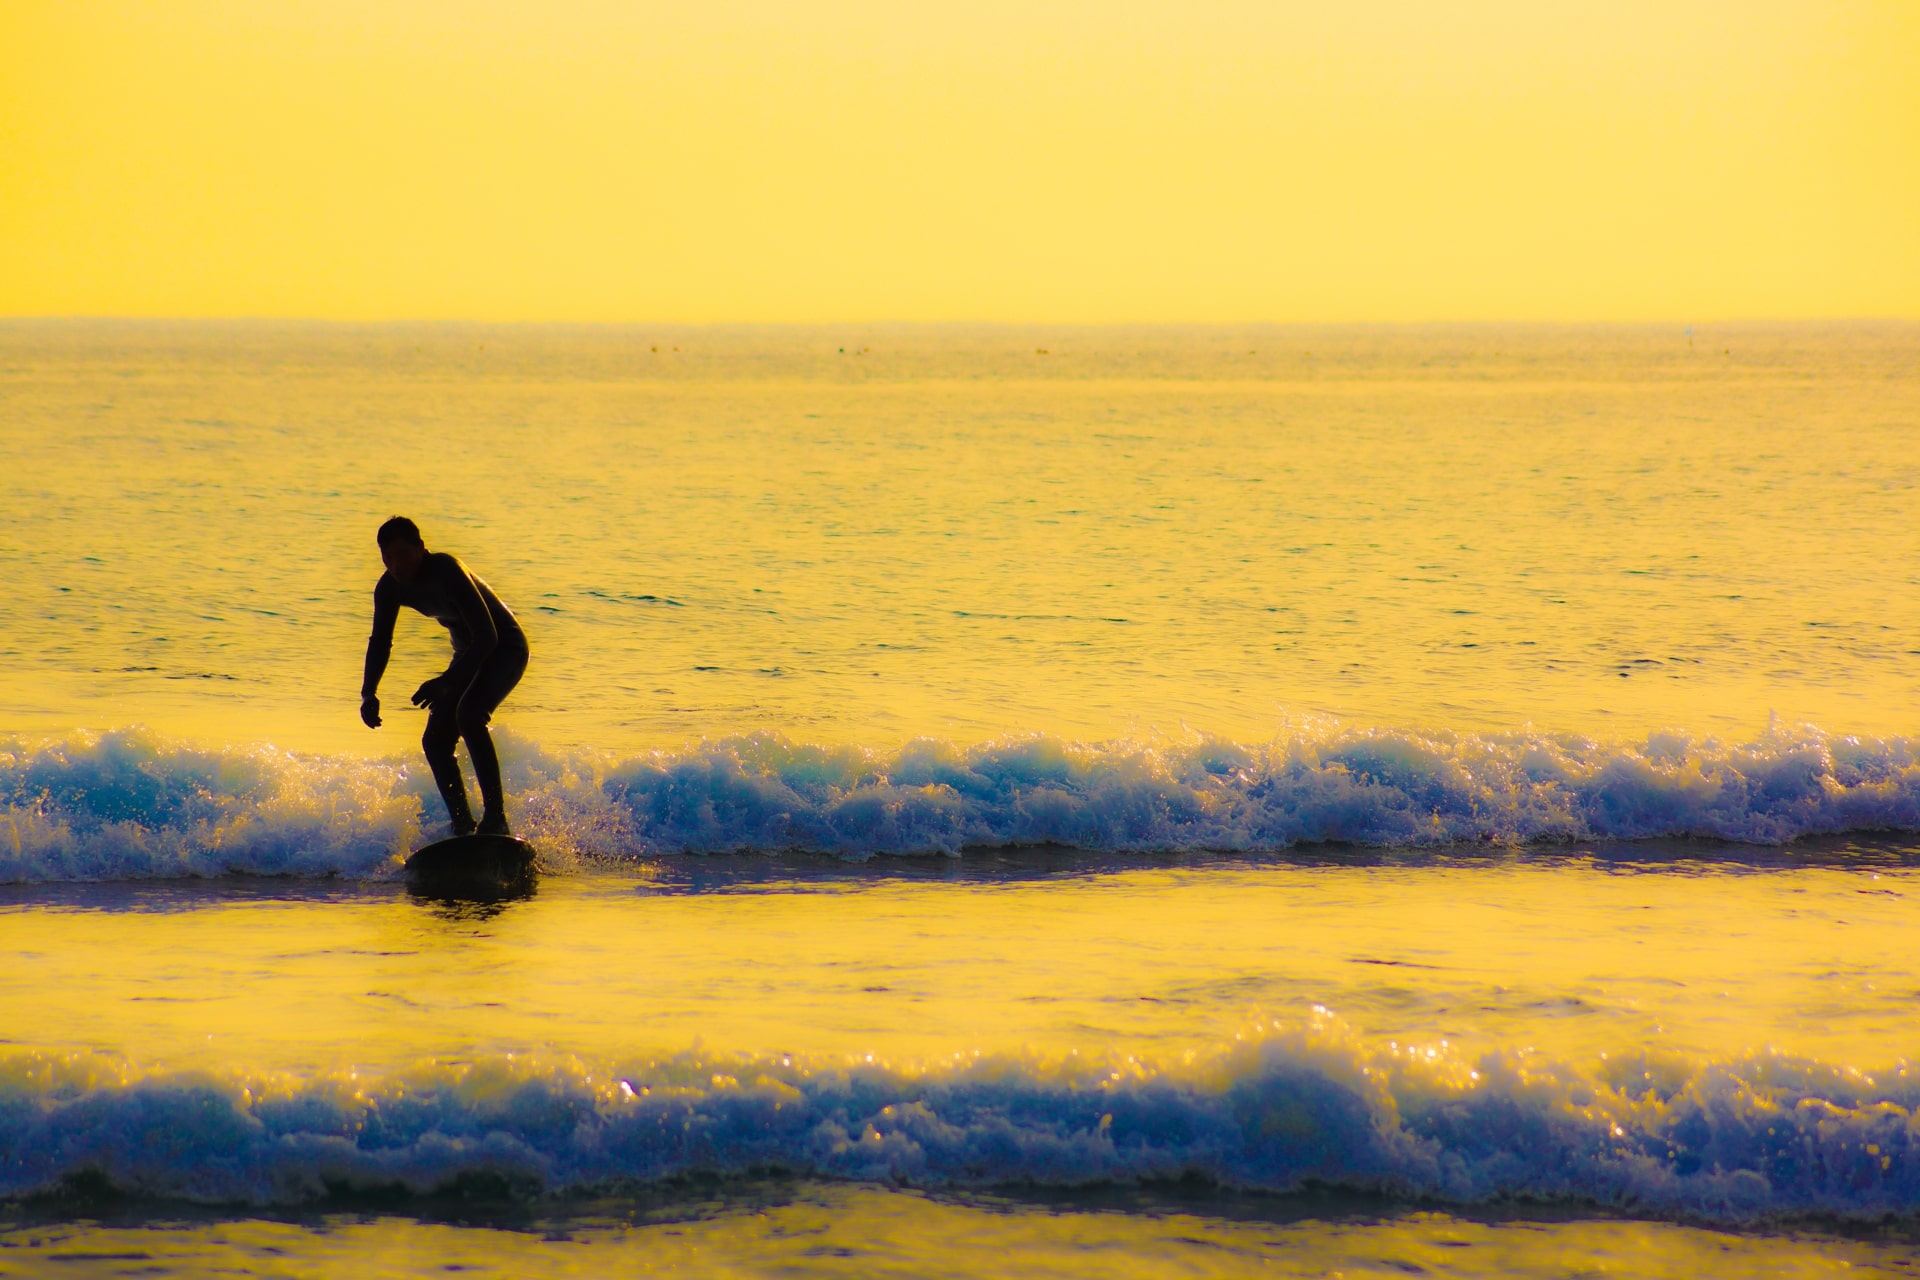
<point>458,815</point>
<point>494,824</point>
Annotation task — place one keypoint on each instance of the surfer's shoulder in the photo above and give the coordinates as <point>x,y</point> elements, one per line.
<point>384,589</point>
<point>442,562</point>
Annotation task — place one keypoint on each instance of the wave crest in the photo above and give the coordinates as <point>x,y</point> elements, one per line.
<point>127,804</point>
<point>1279,1109</point>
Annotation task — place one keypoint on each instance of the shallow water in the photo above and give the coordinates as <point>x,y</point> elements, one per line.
<point>1574,955</point>
<point>1691,1039</point>
<point>829,1230</point>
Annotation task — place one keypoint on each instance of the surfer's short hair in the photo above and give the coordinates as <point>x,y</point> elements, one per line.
<point>399,529</point>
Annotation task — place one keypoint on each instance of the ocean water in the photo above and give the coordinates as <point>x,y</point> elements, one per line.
<point>1038,801</point>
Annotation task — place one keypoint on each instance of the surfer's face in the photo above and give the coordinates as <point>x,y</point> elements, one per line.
<point>403,559</point>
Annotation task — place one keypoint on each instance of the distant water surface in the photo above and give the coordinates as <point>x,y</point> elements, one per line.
<point>869,536</point>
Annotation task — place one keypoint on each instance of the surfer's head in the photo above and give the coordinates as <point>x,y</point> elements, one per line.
<point>401,548</point>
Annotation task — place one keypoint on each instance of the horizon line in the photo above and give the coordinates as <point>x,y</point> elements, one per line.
<point>470,322</point>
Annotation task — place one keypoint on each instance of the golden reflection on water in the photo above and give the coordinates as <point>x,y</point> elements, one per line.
<point>1574,960</point>
<point>826,1230</point>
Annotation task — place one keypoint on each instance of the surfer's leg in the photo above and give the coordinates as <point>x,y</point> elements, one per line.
<point>497,677</point>
<point>443,731</point>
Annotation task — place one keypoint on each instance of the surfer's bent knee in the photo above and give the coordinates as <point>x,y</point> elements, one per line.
<point>439,737</point>
<point>473,715</point>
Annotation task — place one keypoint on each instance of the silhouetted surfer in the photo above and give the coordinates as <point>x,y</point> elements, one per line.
<point>489,657</point>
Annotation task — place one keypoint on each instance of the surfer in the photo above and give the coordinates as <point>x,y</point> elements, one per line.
<point>489,657</point>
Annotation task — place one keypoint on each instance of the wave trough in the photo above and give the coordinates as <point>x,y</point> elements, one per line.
<point>127,804</point>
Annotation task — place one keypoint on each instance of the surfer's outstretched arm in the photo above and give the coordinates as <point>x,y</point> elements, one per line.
<point>386,610</point>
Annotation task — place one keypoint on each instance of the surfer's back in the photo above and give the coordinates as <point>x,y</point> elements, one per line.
<point>439,590</point>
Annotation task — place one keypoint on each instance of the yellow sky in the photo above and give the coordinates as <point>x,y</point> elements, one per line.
<point>1021,160</point>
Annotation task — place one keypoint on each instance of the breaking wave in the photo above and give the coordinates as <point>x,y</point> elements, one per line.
<point>1278,1109</point>
<point>128,804</point>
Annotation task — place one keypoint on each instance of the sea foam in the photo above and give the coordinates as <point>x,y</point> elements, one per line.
<point>1278,1109</point>
<point>128,804</point>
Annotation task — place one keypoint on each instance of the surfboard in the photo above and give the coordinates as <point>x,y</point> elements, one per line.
<point>489,865</point>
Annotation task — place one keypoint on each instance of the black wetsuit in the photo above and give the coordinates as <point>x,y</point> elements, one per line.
<point>489,657</point>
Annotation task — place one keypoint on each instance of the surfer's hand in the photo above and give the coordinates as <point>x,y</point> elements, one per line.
<point>429,693</point>
<point>370,711</point>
